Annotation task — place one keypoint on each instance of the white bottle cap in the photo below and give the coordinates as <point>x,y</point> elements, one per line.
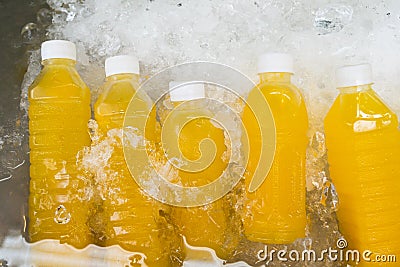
<point>275,62</point>
<point>353,75</point>
<point>58,49</point>
<point>121,64</point>
<point>183,91</point>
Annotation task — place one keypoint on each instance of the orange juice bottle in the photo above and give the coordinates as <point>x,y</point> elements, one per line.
<point>363,142</point>
<point>276,211</point>
<point>58,115</point>
<point>203,226</point>
<point>131,215</point>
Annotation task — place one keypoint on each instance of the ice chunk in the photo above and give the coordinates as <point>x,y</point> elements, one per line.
<point>29,32</point>
<point>44,17</point>
<point>332,18</point>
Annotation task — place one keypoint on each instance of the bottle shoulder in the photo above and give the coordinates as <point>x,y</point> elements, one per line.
<point>122,91</point>
<point>110,86</point>
<point>173,119</point>
<point>279,87</point>
<point>120,96</point>
<point>360,112</point>
<point>281,94</point>
<point>191,125</point>
<point>58,82</point>
<point>286,102</point>
<point>116,91</point>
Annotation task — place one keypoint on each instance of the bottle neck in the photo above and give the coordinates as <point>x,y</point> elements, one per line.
<point>282,77</point>
<point>59,61</point>
<point>123,76</point>
<point>355,89</point>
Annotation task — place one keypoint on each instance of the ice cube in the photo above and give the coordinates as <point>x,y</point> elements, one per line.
<point>332,18</point>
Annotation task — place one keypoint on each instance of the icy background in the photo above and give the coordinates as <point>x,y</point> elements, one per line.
<point>320,34</point>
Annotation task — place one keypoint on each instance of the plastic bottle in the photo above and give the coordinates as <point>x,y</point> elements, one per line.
<point>203,226</point>
<point>58,115</point>
<point>130,215</point>
<point>363,142</point>
<point>276,212</point>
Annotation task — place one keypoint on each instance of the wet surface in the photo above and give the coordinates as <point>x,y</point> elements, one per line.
<point>14,51</point>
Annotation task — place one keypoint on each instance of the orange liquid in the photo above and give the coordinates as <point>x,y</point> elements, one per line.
<point>130,214</point>
<point>204,226</point>
<point>58,115</point>
<point>363,144</point>
<point>275,212</point>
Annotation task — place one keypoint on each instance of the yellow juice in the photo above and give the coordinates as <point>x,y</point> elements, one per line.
<point>276,212</point>
<point>58,115</point>
<point>363,142</point>
<point>131,215</point>
<point>203,226</point>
